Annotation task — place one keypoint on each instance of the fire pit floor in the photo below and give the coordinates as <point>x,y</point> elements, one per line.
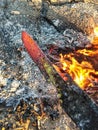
<point>27,101</point>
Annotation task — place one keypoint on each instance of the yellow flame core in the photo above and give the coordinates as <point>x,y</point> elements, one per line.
<point>81,69</point>
<point>96,31</point>
<point>80,72</point>
<point>95,39</point>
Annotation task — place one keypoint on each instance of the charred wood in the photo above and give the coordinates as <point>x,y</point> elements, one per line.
<point>75,102</point>
<point>81,16</point>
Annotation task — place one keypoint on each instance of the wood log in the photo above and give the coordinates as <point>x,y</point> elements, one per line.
<point>80,16</point>
<point>75,102</point>
<point>61,2</point>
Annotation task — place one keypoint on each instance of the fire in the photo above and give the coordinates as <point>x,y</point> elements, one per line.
<point>81,72</point>
<point>95,39</point>
<point>96,31</point>
<point>81,65</point>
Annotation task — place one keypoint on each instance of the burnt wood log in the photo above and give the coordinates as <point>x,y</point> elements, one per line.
<point>75,102</point>
<point>80,16</point>
<point>61,2</point>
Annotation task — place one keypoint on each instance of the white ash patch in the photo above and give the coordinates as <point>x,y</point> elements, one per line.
<point>14,85</point>
<point>56,22</point>
<point>15,12</point>
<point>3,81</point>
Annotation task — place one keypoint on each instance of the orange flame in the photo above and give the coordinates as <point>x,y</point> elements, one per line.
<point>82,65</point>
<point>80,72</point>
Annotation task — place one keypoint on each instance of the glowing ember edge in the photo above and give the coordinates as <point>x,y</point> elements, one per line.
<point>96,31</point>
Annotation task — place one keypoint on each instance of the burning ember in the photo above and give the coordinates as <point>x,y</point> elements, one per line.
<point>82,65</point>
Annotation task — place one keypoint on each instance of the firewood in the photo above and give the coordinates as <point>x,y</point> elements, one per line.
<point>80,16</point>
<point>61,2</point>
<point>75,102</point>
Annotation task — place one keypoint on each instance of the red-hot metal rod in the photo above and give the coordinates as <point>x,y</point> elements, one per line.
<point>75,102</point>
